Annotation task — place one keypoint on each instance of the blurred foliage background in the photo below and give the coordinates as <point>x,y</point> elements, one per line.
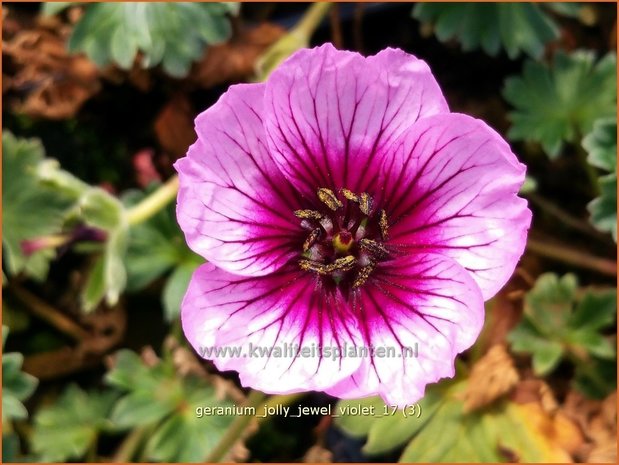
<point>99,101</point>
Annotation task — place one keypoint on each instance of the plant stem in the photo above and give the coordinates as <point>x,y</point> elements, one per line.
<point>130,445</point>
<point>236,429</point>
<point>572,256</point>
<point>153,203</point>
<point>49,314</point>
<point>565,217</point>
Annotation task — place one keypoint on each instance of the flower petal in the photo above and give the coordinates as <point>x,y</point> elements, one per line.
<point>234,205</point>
<point>426,302</point>
<point>268,318</point>
<point>330,113</point>
<point>453,190</point>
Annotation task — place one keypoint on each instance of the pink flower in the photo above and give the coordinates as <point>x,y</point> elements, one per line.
<point>341,205</point>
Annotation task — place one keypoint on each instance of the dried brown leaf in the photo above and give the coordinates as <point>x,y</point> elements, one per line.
<point>46,81</point>
<point>318,454</point>
<point>493,376</point>
<point>174,126</point>
<point>234,60</point>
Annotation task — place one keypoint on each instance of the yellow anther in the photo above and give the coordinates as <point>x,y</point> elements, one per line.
<point>328,197</point>
<point>384,225</point>
<point>363,275</point>
<point>311,239</point>
<point>308,214</point>
<point>309,265</point>
<point>365,203</point>
<point>375,248</point>
<point>342,264</point>
<point>350,195</point>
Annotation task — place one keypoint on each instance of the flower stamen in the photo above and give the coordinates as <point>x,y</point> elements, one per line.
<point>363,275</point>
<point>312,238</point>
<point>308,214</point>
<point>384,225</point>
<point>375,248</point>
<point>328,197</point>
<point>344,244</point>
<point>365,203</point>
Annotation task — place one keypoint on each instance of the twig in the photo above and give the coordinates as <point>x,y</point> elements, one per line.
<point>565,217</point>
<point>572,256</point>
<point>48,313</point>
<point>130,445</point>
<point>236,429</point>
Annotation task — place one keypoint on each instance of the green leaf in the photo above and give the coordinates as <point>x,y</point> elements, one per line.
<point>171,34</point>
<point>514,27</point>
<point>17,386</point>
<point>603,209</point>
<point>390,431</point>
<point>557,323</point>
<point>559,103</point>
<point>444,432</point>
<point>30,208</point>
<point>601,144</point>
<point>158,397</point>
<point>156,247</point>
<point>66,429</point>
<point>108,276</point>
<point>358,425</point>
<point>175,288</point>
<point>185,437</point>
<point>597,378</point>
<point>596,310</point>
<point>10,449</point>
<point>546,353</point>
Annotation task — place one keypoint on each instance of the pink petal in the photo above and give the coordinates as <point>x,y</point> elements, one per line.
<point>452,189</point>
<point>424,299</point>
<point>330,113</point>
<point>279,310</point>
<point>234,206</point>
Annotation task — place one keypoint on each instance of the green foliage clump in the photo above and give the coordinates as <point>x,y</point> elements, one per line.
<point>444,430</point>
<point>30,207</point>
<point>17,386</point>
<point>601,145</point>
<point>514,27</point>
<point>159,399</point>
<point>171,34</point>
<point>156,247</point>
<point>40,200</point>
<point>69,427</point>
<point>559,103</point>
<point>558,323</point>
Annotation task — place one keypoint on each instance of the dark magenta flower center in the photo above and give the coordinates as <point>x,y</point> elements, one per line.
<point>346,239</point>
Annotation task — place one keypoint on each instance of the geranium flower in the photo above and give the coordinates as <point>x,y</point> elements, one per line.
<point>341,205</point>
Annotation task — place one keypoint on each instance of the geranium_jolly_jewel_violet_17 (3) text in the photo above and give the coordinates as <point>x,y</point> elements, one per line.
<point>340,204</point>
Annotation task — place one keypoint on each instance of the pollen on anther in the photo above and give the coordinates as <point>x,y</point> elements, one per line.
<point>375,248</point>
<point>383,224</point>
<point>311,239</point>
<point>342,264</point>
<point>363,275</point>
<point>328,197</point>
<point>308,214</point>
<point>350,195</point>
<point>365,203</point>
